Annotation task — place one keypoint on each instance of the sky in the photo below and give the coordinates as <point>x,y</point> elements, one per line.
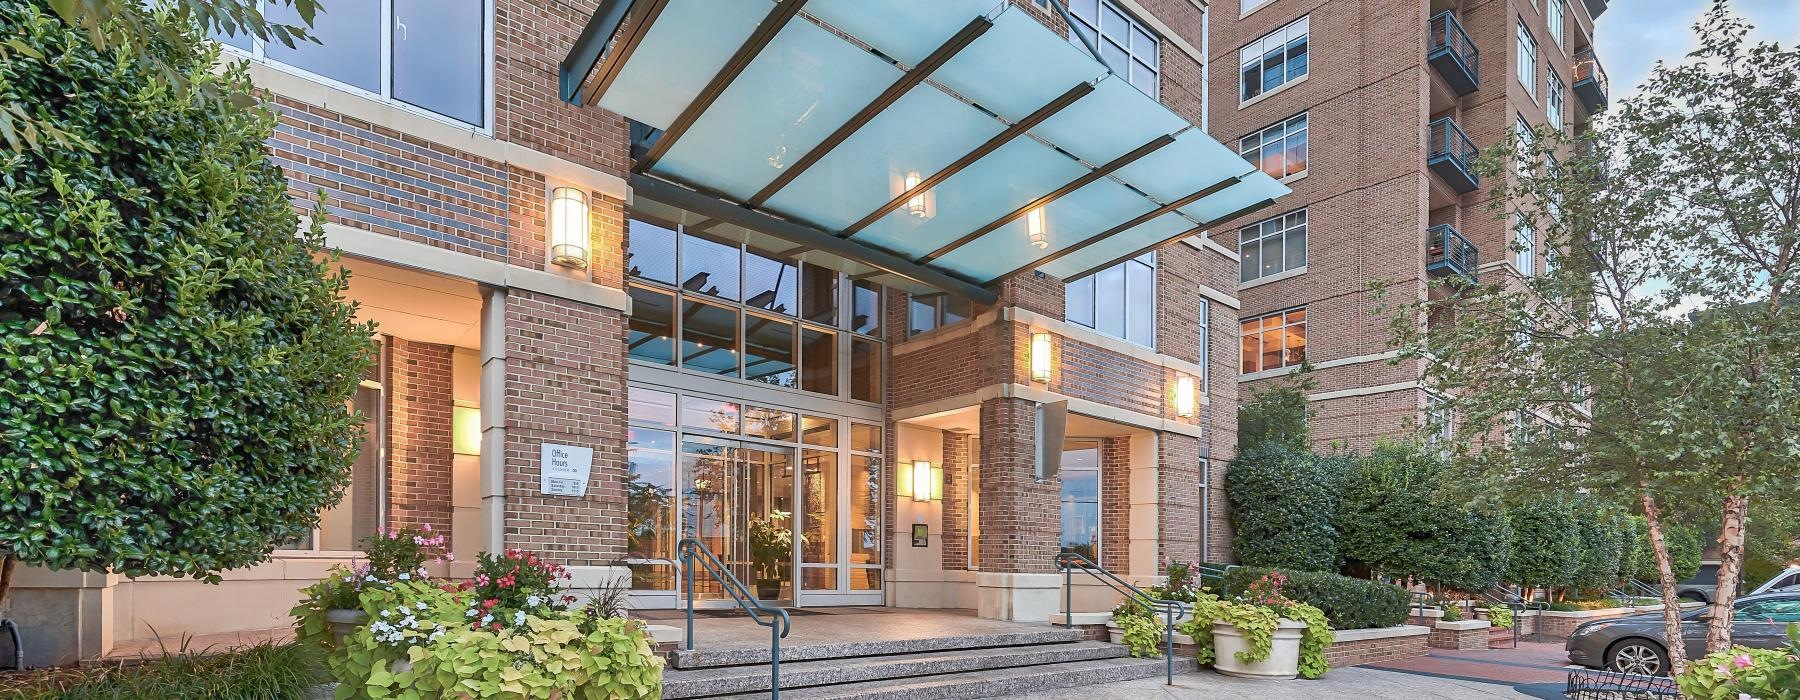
<point>1632,35</point>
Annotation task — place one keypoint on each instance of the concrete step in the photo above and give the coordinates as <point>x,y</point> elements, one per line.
<point>727,680</point>
<point>712,658</point>
<point>987,683</point>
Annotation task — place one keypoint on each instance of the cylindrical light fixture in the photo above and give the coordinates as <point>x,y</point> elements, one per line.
<point>1040,357</point>
<point>915,204</point>
<point>921,481</point>
<point>569,227</point>
<point>1187,401</point>
<point>1034,227</point>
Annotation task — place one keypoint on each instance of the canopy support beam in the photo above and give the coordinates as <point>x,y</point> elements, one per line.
<point>803,235</point>
<point>955,44</point>
<point>1207,191</point>
<point>1190,232</point>
<point>1000,139</point>
<point>771,25</point>
<point>1058,193</point>
<point>590,51</point>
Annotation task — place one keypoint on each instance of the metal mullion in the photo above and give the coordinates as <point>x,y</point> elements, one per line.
<point>771,24</point>
<point>1128,225</point>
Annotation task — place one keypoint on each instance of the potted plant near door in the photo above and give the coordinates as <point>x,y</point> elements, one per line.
<point>1260,634</point>
<point>771,552</point>
<point>395,555</point>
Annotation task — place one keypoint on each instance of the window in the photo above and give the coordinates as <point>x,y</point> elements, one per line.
<point>1778,611</point>
<point>1553,98</point>
<point>1527,60</point>
<point>1205,346</point>
<point>1440,423</point>
<point>430,54</point>
<point>1205,509</point>
<point>1279,150</point>
<point>1275,341</point>
<point>1081,498</point>
<point>1553,17</point>
<point>1272,61</point>
<point>1129,48</point>
<point>1522,159</point>
<point>1272,246</point>
<point>1524,247</point>
<point>1247,6</point>
<point>930,312</point>
<point>1119,301</point>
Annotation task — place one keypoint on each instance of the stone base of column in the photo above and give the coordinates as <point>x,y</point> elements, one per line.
<point>1019,597</point>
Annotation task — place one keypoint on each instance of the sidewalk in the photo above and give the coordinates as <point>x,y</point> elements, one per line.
<point>1341,683</point>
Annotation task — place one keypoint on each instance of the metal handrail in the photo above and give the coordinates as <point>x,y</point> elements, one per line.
<point>1448,140</point>
<point>1068,561</point>
<point>1518,604</point>
<point>1445,244</point>
<point>777,621</point>
<point>1203,571</point>
<point>1587,67</point>
<point>1447,33</point>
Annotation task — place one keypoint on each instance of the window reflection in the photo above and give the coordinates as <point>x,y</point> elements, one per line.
<point>865,312</point>
<point>651,334</point>
<point>819,294</point>
<point>818,361</point>
<point>650,502</point>
<point>1081,498</point>
<point>709,267</point>
<point>770,283</point>
<point>709,339</point>
<point>768,350</point>
<point>651,253</point>
<point>865,370</point>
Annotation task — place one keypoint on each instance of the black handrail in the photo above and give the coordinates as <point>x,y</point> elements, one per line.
<point>1517,604</point>
<point>1069,561</point>
<point>777,621</point>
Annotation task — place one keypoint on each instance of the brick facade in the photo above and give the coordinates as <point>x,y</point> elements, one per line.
<point>1367,651</point>
<point>1020,515</point>
<point>1115,504</point>
<point>956,501</point>
<point>419,446</point>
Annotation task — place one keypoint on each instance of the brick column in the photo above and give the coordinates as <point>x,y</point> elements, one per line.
<point>1178,486</point>
<point>1020,518</point>
<point>420,453</point>
<point>956,501</point>
<point>1115,504</point>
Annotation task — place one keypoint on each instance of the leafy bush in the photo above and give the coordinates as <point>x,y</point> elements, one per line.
<point>1283,505</point>
<point>1256,615</point>
<point>1349,603</point>
<point>1396,521</point>
<point>175,355</point>
<point>1501,616</point>
<point>1546,544</point>
<point>1597,529</point>
<point>1763,674</point>
<point>262,672</point>
<point>1142,634</point>
<point>1474,544</point>
<point>1278,416</point>
<point>1633,531</point>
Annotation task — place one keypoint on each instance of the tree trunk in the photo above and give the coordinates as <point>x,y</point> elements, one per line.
<point>1665,574</point>
<point>7,567</point>
<point>1731,566</point>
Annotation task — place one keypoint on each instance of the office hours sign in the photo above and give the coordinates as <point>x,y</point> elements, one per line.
<point>565,470</point>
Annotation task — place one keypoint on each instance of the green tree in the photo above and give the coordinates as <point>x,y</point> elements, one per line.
<point>1283,506</point>
<point>1546,545</point>
<point>1590,374</point>
<point>1387,521</point>
<point>177,359</point>
<point>1278,414</point>
<point>1598,529</point>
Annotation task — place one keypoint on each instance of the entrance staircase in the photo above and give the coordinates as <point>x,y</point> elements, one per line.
<point>967,666</point>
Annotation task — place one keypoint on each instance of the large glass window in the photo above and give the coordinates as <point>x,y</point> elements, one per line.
<point>709,266</point>
<point>1081,498</point>
<point>1553,98</point>
<point>1553,19</point>
<point>771,283</point>
<point>1526,57</point>
<point>430,54</point>
<point>865,370</point>
<point>865,522</point>
<point>819,294</point>
<point>1205,345</point>
<point>1524,247</point>
<point>1279,149</point>
<point>1272,246</point>
<point>929,312</point>
<point>1129,47</point>
<point>650,532</point>
<point>1275,341</point>
<point>768,350</point>
<point>1278,58</point>
<point>651,334</point>
<point>709,334</point>
<point>1119,301</point>
<point>865,308</point>
<point>818,361</point>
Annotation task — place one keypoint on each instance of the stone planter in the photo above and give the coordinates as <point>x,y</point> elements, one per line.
<point>1284,651</point>
<point>343,621</point>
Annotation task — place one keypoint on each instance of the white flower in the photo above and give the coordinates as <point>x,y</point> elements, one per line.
<point>533,601</point>
<point>519,617</point>
<point>469,613</point>
<point>387,613</point>
<point>370,578</point>
<point>485,619</point>
<point>421,605</point>
<point>405,576</point>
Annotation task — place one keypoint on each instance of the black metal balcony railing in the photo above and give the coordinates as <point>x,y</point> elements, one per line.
<point>1590,81</point>
<point>1453,55</point>
<point>1448,254</point>
<point>1451,155</point>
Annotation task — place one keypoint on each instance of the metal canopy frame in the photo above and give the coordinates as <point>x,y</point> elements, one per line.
<point>589,51</point>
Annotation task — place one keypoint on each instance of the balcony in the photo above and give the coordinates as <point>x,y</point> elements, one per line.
<point>1590,81</point>
<point>1453,55</point>
<point>1594,7</point>
<point>1448,254</point>
<point>1451,155</point>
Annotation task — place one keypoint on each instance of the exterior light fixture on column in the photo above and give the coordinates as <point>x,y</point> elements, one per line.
<point>924,483</point>
<point>1040,357</point>
<point>1034,228</point>
<point>915,204</point>
<point>1187,400</point>
<point>569,227</point>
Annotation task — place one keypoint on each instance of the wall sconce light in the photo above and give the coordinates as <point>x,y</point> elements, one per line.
<point>1034,228</point>
<point>1040,357</point>
<point>465,430</point>
<point>921,482</point>
<point>569,227</point>
<point>915,204</point>
<point>1187,401</point>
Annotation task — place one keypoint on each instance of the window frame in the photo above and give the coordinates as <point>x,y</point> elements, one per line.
<point>1132,28</point>
<point>1527,48</point>
<point>1262,52</point>
<point>1524,247</point>
<point>1556,21</point>
<point>1288,133</point>
<point>1092,283</point>
<point>1099,472</point>
<point>1205,346</point>
<point>1282,233</point>
<point>1285,324</point>
<point>489,91</point>
<point>1554,103</point>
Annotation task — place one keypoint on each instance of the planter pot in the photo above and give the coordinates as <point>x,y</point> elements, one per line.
<point>343,621</point>
<point>768,590</point>
<point>1284,651</point>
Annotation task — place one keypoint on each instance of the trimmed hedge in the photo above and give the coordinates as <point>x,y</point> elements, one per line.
<point>1283,504</point>
<point>1349,603</point>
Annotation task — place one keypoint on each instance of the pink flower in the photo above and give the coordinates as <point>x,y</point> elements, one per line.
<point>1742,661</point>
<point>428,527</point>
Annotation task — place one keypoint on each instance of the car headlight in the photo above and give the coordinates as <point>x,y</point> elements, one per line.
<point>1588,628</point>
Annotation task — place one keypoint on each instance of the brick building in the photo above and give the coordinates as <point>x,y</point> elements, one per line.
<point>841,271</point>
<point>1390,100</point>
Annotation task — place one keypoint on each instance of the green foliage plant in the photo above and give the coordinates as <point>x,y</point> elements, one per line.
<point>1283,504</point>
<point>1761,674</point>
<point>259,672</point>
<point>1500,615</point>
<point>1347,602</point>
<point>1546,542</point>
<point>1278,415</point>
<point>175,352</point>
<point>1143,634</point>
<point>1256,615</point>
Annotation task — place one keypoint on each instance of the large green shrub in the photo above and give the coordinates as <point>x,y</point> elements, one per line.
<point>1474,546</point>
<point>1395,521</point>
<point>1598,531</point>
<point>1278,415</point>
<point>1685,550</point>
<point>175,359</point>
<point>1630,551</point>
<point>1349,603</point>
<point>1546,544</point>
<point>1283,504</point>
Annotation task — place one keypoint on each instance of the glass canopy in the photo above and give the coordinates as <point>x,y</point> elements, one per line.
<point>960,136</point>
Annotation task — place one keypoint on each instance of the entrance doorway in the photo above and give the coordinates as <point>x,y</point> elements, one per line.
<point>740,502</point>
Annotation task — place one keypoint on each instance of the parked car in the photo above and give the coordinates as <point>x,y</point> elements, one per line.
<point>1701,585</point>
<point>1636,644</point>
<point>1788,580</point>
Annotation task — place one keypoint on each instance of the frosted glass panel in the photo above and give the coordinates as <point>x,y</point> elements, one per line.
<point>686,47</point>
<point>1003,181</point>
<point>921,133</point>
<point>1110,122</point>
<point>1189,165</point>
<point>908,30</point>
<point>1018,66</point>
<point>1144,235</point>
<point>801,87</point>
<point>1073,218</point>
<point>1255,188</point>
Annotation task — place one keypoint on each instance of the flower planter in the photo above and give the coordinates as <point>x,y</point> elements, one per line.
<point>1284,651</point>
<point>343,621</point>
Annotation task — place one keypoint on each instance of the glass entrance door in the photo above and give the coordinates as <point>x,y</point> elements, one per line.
<point>739,499</point>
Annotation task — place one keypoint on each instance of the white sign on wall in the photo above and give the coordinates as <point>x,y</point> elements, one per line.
<point>565,469</point>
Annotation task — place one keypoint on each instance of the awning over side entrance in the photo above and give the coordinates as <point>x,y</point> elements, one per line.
<point>959,141</point>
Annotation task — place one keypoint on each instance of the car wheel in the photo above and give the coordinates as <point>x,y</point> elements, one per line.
<point>1637,656</point>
